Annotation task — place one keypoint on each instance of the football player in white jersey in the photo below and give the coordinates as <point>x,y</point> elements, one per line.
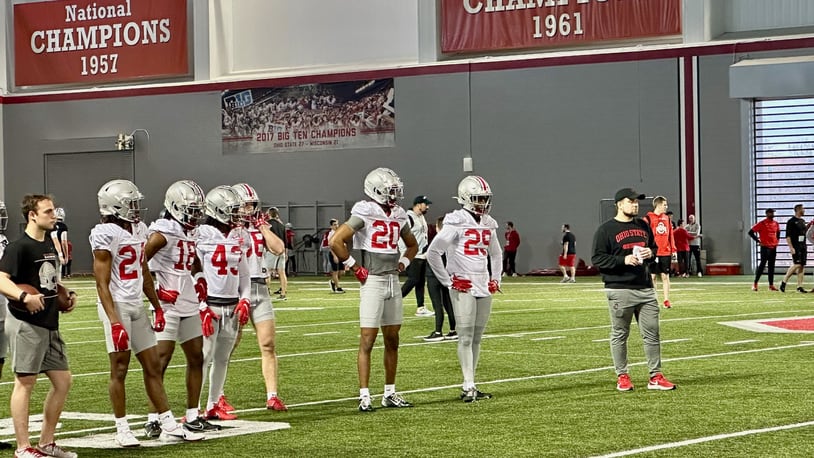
<point>121,278</point>
<point>170,253</point>
<point>257,240</point>
<point>3,300</point>
<point>470,241</point>
<point>227,305</point>
<point>375,227</point>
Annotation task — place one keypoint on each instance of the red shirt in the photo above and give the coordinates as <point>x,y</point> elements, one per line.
<point>662,233</point>
<point>767,231</point>
<point>682,239</point>
<point>512,240</point>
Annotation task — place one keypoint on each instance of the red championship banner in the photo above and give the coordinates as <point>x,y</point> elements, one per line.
<point>93,41</point>
<point>489,25</point>
<point>310,117</point>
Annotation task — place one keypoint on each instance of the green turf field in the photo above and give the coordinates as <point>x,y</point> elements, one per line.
<point>545,358</point>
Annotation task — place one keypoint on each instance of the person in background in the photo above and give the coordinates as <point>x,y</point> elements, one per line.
<point>624,246</point>
<point>682,239</point>
<point>766,233</point>
<point>796,228</point>
<point>277,262</point>
<point>35,344</point>
<point>694,230</point>
<point>336,267</point>
<point>568,257</point>
<point>662,230</point>
<point>60,237</point>
<point>417,272</point>
<point>291,258</point>
<point>510,249</point>
<point>441,302</point>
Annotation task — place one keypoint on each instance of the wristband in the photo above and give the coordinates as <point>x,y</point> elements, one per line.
<point>22,296</point>
<point>405,260</point>
<point>350,262</point>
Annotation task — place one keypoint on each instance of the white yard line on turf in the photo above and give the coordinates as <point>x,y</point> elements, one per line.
<point>700,440</point>
<point>738,342</point>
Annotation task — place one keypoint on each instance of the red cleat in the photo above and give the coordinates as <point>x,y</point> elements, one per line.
<point>773,288</point>
<point>224,404</point>
<point>658,382</point>
<point>216,413</point>
<point>277,404</point>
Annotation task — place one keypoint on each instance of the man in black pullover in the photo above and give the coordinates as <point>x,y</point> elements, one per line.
<point>623,249</point>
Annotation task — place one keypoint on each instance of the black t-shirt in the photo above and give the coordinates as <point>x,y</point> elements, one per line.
<point>612,242</point>
<point>278,229</point>
<point>572,242</point>
<point>796,231</point>
<point>35,263</point>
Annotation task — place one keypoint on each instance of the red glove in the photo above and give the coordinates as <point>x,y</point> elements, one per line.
<point>200,288</point>
<point>158,320</point>
<point>167,295</point>
<point>461,284</point>
<point>494,287</point>
<point>207,317</point>
<point>121,342</point>
<point>361,274</point>
<point>260,220</point>
<point>242,311</point>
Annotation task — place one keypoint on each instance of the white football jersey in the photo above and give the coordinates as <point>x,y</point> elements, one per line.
<point>381,232</point>
<point>223,262</point>
<point>468,244</point>
<point>254,246</point>
<point>127,255</point>
<point>172,266</point>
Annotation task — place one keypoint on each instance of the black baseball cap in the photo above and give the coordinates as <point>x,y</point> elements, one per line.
<point>629,193</point>
<point>422,200</point>
<point>769,210</point>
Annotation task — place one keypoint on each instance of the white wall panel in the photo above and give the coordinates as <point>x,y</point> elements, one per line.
<point>747,15</point>
<point>268,35</point>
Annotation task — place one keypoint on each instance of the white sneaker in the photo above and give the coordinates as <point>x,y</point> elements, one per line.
<point>53,449</point>
<point>177,432</point>
<point>127,439</point>
<point>422,311</point>
<point>515,275</point>
<point>572,280</point>
<point>699,274</point>
<point>564,279</point>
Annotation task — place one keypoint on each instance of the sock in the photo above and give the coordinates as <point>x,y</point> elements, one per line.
<point>364,392</point>
<point>210,405</point>
<point>389,389</point>
<point>152,416</point>
<point>121,425</point>
<point>270,394</point>
<point>166,419</point>
<point>192,413</point>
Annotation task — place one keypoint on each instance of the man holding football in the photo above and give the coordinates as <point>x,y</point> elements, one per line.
<point>33,326</point>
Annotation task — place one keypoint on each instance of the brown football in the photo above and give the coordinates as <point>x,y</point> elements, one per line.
<point>63,299</point>
<point>19,305</point>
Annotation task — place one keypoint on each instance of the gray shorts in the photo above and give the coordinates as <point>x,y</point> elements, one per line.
<point>380,302</point>
<point>181,328</point>
<point>274,262</point>
<point>262,308</point>
<point>34,349</point>
<point>133,317</point>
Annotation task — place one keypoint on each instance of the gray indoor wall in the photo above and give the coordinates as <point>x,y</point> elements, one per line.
<point>552,141</point>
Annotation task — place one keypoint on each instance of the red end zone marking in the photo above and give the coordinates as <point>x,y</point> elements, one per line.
<point>798,324</point>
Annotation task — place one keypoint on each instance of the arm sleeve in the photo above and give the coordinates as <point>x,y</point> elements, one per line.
<point>437,248</point>
<point>496,258</point>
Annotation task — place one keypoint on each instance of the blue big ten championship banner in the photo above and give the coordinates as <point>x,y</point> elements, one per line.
<point>325,116</point>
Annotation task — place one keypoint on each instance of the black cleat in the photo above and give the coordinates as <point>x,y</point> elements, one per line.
<point>152,429</point>
<point>200,425</point>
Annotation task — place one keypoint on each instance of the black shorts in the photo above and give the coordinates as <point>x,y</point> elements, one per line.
<point>799,257</point>
<point>661,265</point>
<point>335,266</point>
